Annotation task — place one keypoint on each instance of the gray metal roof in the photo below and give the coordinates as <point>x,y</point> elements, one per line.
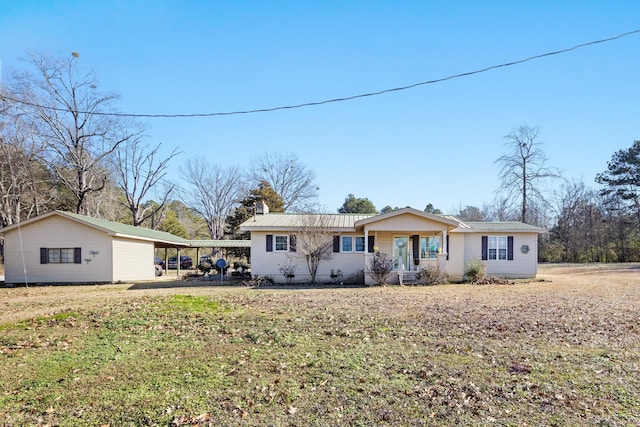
<point>220,243</point>
<point>284,221</point>
<point>505,226</point>
<point>349,222</point>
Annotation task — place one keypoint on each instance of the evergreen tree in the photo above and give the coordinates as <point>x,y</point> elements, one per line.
<point>265,193</point>
<point>353,204</point>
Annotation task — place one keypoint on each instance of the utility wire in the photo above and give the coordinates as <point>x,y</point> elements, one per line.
<point>347,98</point>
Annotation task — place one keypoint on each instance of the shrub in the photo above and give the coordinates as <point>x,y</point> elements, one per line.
<point>433,275</point>
<point>474,270</point>
<point>380,267</point>
<point>289,271</point>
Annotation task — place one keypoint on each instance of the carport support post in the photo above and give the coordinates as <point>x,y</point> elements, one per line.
<point>166,261</point>
<point>178,263</point>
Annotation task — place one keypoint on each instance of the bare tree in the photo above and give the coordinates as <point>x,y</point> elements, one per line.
<point>523,169</point>
<point>314,241</point>
<point>139,170</point>
<point>27,187</point>
<point>288,177</point>
<point>71,119</point>
<point>214,192</point>
<point>579,227</point>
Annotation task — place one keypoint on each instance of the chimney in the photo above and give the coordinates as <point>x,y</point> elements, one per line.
<point>261,208</point>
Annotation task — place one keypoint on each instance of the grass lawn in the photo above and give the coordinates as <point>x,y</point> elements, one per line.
<point>561,351</point>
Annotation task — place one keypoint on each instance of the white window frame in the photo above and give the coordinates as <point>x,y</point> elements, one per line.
<point>427,251</point>
<point>497,248</point>
<point>354,244</point>
<point>60,256</point>
<point>275,242</point>
<point>342,245</point>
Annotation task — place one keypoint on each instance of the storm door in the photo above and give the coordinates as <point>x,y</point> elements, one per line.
<point>400,253</point>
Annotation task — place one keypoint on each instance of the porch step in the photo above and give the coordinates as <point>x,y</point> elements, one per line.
<point>409,278</point>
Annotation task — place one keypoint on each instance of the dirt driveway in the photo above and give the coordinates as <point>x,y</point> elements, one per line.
<point>24,303</point>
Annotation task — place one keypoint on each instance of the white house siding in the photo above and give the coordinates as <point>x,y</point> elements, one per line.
<point>56,232</point>
<point>522,265</point>
<point>457,256</point>
<point>464,244</point>
<point>410,224</point>
<point>268,264</point>
<point>132,260</point>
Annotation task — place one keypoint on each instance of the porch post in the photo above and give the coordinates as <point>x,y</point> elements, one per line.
<point>366,250</point>
<point>444,243</point>
<point>442,258</point>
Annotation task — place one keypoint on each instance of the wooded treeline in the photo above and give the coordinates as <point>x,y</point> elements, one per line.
<point>64,146</point>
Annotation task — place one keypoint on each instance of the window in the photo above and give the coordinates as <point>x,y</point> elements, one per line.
<point>430,247</point>
<point>282,243</point>
<point>60,255</point>
<point>348,243</point>
<point>497,246</point>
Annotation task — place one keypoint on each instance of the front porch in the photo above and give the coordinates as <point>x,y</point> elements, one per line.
<point>410,253</point>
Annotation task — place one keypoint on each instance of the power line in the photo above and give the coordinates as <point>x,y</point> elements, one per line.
<point>343,99</point>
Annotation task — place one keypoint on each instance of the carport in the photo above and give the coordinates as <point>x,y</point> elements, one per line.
<point>213,245</point>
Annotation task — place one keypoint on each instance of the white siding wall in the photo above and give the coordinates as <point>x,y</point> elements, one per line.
<point>132,260</point>
<point>457,256</point>
<point>522,265</point>
<point>265,263</point>
<point>56,232</point>
<point>463,247</point>
<point>406,223</point>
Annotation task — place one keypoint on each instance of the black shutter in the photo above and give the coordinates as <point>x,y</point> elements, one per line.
<point>485,248</point>
<point>371,243</point>
<point>448,247</point>
<point>292,243</point>
<point>510,248</point>
<point>416,246</point>
<point>336,243</point>
<point>77,255</point>
<point>44,259</point>
<point>269,242</point>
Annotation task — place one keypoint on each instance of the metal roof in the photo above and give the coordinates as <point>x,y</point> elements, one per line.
<point>161,238</point>
<point>220,243</point>
<point>348,222</point>
<point>284,221</point>
<point>505,226</point>
<point>109,227</point>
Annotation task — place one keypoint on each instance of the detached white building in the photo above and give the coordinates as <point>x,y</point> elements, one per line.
<point>62,247</point>
<point>413,239</point>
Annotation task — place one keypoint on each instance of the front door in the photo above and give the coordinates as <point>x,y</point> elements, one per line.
<point>400,253</point>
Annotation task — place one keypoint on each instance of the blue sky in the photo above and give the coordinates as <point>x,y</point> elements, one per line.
<point>433,144</point>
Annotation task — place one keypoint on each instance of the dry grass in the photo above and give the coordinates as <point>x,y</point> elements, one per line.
<point>563,350</point>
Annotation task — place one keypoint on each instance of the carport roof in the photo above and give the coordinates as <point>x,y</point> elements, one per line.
<point>220,243</point>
